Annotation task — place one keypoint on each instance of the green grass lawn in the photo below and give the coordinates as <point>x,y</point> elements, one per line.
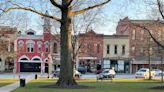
<point>117,85</point>
<point>4,82</point>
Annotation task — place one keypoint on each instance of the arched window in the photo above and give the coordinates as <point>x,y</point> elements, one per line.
<point>30,46</point>
<point>20,46</point>
<point>55,48</point>
<point>47,46</point>
<point>24,59</point>
<point>30,33</point>
<point>39,46</point>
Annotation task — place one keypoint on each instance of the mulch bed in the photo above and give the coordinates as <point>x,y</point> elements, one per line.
<point>158,87</point>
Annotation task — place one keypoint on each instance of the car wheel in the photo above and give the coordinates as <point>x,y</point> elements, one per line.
<point>77,76</point>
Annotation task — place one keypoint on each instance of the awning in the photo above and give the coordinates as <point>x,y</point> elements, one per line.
<point>88,58</point>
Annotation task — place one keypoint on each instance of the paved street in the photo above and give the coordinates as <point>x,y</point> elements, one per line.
<point>87,75</point>
<point>90,75</point>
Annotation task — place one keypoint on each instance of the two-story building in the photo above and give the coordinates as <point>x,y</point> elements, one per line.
<point>33,51</point>
<point>140,42</point>
<point>116,53</point>
<point>91,49</point>
<point>7,52</point>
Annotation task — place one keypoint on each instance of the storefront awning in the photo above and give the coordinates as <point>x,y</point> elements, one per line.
<point>88,58</point>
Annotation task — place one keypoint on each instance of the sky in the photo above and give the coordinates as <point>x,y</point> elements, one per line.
<point>112,13</point>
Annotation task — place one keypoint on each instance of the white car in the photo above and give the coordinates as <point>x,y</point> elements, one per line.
<point>107,73</point>
<point>144,73</point>
<point>158,72</point>
<point>77,74</point>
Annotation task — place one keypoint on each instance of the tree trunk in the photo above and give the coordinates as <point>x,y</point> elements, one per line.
<point>66,69</point>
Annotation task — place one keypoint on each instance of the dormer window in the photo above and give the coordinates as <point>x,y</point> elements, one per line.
<point>30,32</point>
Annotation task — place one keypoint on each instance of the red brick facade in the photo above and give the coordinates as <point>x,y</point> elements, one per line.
<point>139,39</point>
<point>140,42</point>
<point>91,50</point>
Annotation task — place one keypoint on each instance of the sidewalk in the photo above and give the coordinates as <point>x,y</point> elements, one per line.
<point>13,86</point>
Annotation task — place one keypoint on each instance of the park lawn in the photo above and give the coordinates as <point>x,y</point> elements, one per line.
<point>6,81</point>
<point>117,85</point>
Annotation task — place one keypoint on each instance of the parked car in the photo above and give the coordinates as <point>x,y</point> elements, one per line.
<point>82,70</point>
<point>76,74</point>
<point>144,73</point>
<point>107,73</point>
<point>157,72</point>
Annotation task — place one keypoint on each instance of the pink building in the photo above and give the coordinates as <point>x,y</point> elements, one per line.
<point>33,51</point>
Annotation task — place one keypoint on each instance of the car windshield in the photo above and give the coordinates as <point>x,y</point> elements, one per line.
<point>142,70</point>
<point>105,71</point>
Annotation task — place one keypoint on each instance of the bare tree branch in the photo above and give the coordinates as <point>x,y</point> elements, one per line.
<point>31,10</point>
<point>69,3</point>
<point>160,8</point>
<point>155,40</point>
<point>56,4</point>
<point>89,8</point>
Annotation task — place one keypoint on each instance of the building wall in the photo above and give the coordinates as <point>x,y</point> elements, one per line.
<point>22,51</point>
<point>113,40</point>
<point>127,26</point>
<point>7,52</point>
<point>91,50</point>
<point>89,42</point>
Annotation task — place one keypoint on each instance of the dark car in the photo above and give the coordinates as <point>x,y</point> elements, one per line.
<point>82,70</point>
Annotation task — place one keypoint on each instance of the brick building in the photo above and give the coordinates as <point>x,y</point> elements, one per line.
<point>91,50</point>
<point>140,42</point>
<point>7,52</point>
<point>33,51</point>
<point>116,53</point>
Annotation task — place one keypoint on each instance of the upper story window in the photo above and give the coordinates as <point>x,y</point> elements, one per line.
<point>123,49</point>
<point>142,35</point>
<point>98,48</point>
<point>55,48</point>
<point>115,49</point>
<point>133,35</point>
<point>20,46</point>
<point>151,34</point>
<point>108,49</point>
<point>133,50</point>
<point>142,50</point>
<point>11,47</point>
<point>89,48</point>
<point>39,46</point>
<point>30,46</point>
<point>47,46</point>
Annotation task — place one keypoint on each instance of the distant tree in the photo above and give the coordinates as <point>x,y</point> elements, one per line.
<point>67,11</point>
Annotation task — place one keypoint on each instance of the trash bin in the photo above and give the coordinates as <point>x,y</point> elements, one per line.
<point>22,83</point>
<point>36,76</point>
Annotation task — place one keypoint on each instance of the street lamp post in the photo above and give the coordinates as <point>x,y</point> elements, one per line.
<point>42,61</point>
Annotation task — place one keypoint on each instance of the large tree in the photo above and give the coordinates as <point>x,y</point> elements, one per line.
<point>67,12</point>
